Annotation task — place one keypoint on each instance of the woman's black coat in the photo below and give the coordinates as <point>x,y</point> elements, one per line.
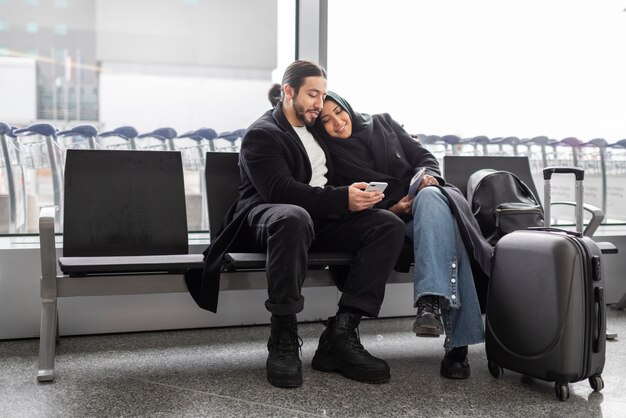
<point>274,168</point>
<point>395,157</point>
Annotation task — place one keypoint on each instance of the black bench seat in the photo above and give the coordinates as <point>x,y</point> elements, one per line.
<point>256,261</point>
<point>82,266</point>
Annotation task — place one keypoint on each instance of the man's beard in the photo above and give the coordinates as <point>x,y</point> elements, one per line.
<point>300,112</point>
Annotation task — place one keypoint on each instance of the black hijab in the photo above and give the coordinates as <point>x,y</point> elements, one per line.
<point>357,148</point>
<point>353,157</point>
<point>362,123</point>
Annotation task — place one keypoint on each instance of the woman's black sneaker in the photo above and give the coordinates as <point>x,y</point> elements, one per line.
<point>455,365</point>
<point>428,320</point>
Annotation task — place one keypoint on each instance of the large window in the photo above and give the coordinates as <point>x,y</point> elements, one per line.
<point>524,68</point>
<point>147,64</point>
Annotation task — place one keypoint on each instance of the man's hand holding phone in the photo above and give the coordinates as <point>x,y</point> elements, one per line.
<point>363,196</point>
<point>376,186</point>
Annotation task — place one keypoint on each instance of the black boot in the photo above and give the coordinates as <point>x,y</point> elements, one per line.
<point>455,365</point>
<point>428,321</point>
<point>284,368</point>
<point>340,350</point>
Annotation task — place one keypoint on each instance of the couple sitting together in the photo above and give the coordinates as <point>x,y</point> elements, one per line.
<point>304,168</point>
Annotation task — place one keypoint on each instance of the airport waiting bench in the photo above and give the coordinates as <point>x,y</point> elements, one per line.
<point>125,233</point>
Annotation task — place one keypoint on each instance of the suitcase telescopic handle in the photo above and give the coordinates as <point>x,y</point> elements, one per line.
<point>578,172</point>
<point>547,176</point>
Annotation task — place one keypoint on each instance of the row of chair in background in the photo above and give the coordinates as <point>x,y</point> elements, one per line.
<point>597,156</point>
<point>512,145</point>
<point>41,145</point>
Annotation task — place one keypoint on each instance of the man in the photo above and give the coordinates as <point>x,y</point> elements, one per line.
<point>286,209</point>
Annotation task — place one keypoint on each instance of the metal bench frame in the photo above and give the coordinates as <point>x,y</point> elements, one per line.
<point>106,274</point>
<point>110,247</point>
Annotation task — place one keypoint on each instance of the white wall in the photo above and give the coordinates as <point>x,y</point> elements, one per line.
<point>150,101</point>
<point>215,33</point>
<point>18,89</point>
<point>484,67</point>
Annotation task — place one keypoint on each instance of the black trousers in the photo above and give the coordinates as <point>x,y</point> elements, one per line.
<point>287,233</point>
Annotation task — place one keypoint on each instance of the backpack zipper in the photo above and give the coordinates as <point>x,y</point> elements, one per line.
<point>507,211</point>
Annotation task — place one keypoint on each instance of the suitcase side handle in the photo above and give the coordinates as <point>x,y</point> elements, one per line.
<point>599,331</point>
<point>578,172</point>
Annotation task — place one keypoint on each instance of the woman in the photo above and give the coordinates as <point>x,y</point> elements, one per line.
<point>449,251</point>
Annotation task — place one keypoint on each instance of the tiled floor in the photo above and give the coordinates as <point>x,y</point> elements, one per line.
<point>221,372</point>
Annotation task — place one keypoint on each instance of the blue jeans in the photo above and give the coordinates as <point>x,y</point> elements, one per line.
<point>442,268</point>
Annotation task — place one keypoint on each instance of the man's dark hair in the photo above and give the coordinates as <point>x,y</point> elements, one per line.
<point>299,70</point>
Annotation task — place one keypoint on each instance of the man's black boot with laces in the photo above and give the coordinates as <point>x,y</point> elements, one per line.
<point>284,368</point>
<point>428,320</point>
<point>340,350</point>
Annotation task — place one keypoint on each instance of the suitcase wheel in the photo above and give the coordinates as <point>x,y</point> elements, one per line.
<point>596,382</point>
<point>495,370</point>
<point>562,391</point>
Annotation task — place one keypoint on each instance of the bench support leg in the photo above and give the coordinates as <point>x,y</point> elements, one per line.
<point>47,339</point>
<point>49,326</point>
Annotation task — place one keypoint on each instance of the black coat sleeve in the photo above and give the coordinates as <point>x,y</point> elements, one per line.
<point>417,155</point>
<point>276,167</point>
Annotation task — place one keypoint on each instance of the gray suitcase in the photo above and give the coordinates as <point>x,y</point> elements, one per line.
<point>545,314</point>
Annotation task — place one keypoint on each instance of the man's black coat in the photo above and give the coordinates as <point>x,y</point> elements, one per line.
<point>274,168</point>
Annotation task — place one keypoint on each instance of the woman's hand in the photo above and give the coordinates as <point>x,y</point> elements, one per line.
<point>428,180</point>
<point>403,207</point>
<point>359,200</point>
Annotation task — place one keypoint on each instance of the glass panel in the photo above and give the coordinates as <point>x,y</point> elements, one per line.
<point>32,27</point>
<point>616,182</point>
<point>60,29</point>
<point>525,69</point>
<point>184,65</point>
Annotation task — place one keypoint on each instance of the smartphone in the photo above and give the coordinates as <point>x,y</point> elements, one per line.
<point>376,186</point>
<point>415,182</point>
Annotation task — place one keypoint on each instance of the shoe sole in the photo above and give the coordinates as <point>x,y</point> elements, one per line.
<point>327,364</point>
<point>457,374</point>
<point>428,330</point>
<point>283,380</point>
<point>427,335</point>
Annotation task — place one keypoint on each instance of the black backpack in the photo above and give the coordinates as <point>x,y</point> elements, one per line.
<point>502,203</point>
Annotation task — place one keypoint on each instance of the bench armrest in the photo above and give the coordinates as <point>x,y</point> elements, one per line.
<point>597,216</point>
<point>607,247</point>
<point>46,246</point>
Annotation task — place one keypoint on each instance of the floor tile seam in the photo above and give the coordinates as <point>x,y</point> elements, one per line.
<point>230,398</point>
